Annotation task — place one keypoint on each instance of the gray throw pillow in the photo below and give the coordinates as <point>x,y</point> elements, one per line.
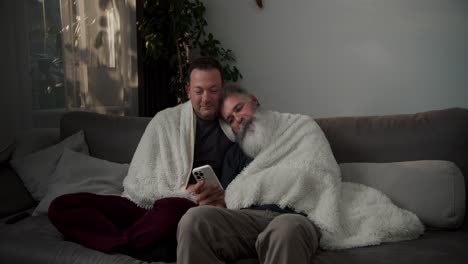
<point>36,169</point>
<point>432,189</point>
<point>77,172</point>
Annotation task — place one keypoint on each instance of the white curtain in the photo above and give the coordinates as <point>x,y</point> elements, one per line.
<point>100,60</point>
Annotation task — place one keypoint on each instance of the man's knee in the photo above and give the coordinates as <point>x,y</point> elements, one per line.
<point>291,227</point>
<point>67,202</point>
<point>292,223</point>
<point>289,238</point>
<point>197,219</point>
<point>288,226</point>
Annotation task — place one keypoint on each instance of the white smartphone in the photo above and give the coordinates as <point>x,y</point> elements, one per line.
<point>206,173</point>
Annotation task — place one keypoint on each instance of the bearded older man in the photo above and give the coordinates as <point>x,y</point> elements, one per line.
<point>269,232</point>
<point>285,197</point>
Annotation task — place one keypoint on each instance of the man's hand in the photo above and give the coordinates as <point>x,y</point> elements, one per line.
<point>211,195</point>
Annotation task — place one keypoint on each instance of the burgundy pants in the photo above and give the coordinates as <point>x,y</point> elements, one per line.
<point>108,222</point>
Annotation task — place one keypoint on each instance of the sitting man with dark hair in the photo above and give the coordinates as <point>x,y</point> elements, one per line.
<point>143,221</point>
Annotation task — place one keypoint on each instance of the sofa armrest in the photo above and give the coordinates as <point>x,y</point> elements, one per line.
<point>14,197</point>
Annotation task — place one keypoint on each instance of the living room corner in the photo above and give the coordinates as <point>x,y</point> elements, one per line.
<point>385,81</point>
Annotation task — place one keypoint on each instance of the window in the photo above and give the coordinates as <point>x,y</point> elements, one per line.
<point>83,56</point>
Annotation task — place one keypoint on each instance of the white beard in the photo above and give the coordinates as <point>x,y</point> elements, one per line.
<point>257,135</point>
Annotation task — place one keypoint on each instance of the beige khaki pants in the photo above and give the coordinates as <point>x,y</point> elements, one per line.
<point>208,234</point>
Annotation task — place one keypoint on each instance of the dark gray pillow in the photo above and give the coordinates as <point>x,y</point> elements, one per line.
<point>6,152</point>
<point>432,189</point>
<point>77,172</point>
<point>35,170</point>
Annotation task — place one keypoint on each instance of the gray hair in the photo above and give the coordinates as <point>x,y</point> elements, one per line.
<point>233,89</point>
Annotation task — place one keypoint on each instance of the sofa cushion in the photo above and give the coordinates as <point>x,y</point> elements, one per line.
<point>36,240</point>
<point>77,172</point>
<point>431,135</point>
<point>6,152</point>
<point>14,197</point>
<point>432,189</point>
<point>36,169</point>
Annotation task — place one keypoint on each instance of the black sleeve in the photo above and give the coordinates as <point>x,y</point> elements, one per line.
<point>234,162</point>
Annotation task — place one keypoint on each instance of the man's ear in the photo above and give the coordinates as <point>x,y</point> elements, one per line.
<point>254,99</point>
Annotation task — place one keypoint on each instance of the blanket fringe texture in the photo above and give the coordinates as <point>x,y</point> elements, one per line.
<point>298,170</point>
<point>162,161</point>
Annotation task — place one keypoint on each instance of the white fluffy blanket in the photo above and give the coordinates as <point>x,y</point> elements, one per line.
<point>299,170</point>
<point>162,161</point>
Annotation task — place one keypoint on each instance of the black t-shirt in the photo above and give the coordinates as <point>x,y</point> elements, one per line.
<point>234,162</point>
<point>211,145</point>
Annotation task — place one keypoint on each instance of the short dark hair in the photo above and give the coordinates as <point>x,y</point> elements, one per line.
<point>205,63</point>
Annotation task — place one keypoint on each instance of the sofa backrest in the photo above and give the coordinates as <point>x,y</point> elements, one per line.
<point>113,138</point>
<point>433,135</point>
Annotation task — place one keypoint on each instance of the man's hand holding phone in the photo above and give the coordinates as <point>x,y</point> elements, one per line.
<point>209,195</point>
<point>207,190</point>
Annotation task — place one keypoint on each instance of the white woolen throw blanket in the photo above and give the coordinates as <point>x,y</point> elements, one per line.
<point>297,169</point>
<point>162,162</point>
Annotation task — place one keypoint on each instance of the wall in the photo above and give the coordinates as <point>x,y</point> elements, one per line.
<point>348,57</point>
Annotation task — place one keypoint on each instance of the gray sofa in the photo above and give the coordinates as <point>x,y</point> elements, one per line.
<point>373,141</point>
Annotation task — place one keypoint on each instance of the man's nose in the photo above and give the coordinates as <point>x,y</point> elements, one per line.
<point>205,97</point>
<point>238,118</point>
